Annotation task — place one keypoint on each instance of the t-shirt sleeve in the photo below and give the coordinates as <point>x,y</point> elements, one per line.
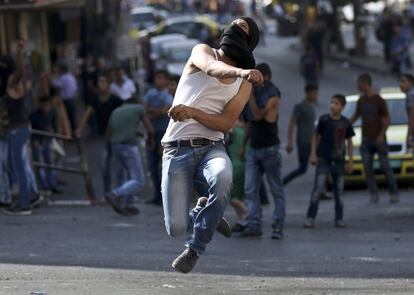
<point>169,99</point>
<point>274,91</point>
<point>320,126</point>
<point>382,108</point>
<point>147,96</point>
<point>349,130</point>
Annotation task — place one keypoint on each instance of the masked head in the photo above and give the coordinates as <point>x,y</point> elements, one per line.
<point>238,41</point>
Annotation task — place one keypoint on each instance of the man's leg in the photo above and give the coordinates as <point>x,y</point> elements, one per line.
<point>5,196</point>
<point>272,165</point>
<point>153,158</point>
<point>338,189</point>
<point>50,173</point>
<point>303,157</point>
<point>252,183</point>
<point>389,174</point>
<point>18,140</point>
<point>367,154</point>
<point>106,167</point>
<point>216,170</point>
<point>131,161</point>
<point>178,168</point>
<point>321,175</point>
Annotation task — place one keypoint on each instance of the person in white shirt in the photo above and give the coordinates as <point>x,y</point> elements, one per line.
<point>122,86</point>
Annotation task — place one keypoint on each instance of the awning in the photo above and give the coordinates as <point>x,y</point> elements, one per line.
<point>34,4</point>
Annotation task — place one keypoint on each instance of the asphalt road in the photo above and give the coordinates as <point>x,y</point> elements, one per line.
<point>91,250</point>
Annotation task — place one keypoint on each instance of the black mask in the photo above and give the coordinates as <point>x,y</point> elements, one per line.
<point>238,46</point>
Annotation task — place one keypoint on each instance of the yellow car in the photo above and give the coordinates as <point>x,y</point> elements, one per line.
<point>401,158</point>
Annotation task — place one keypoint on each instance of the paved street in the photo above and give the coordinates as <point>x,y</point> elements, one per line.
<point>91,250</point>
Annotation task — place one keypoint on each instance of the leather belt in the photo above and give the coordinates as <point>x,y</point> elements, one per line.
<point>194,143</point>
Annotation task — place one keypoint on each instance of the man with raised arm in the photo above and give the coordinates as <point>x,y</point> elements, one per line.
<point>212,92</point>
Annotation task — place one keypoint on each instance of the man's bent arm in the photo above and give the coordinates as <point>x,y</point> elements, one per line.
<point>225,121</point>
<point>203,58</point>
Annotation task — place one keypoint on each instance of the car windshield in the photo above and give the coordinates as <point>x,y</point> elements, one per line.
<point>396,108</point>
<point>142,17</point>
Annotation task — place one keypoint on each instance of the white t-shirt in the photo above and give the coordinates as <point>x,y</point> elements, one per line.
<point>124,91</point>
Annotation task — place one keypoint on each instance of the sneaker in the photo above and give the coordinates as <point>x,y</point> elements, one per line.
<point>224,226</point>
<point>131,210</point>
<point>36,201</point>
<point>17,210</point>
<point>115,203</point>
<point>374,199</point>
<point>394,199</point>
<point>277,233</point>
<point>4,205</point>
<point>56,191</point>
<point>309,223</point>
<point>340,224</point>
<point>238,227</point>
<point>251,233</point>
<point>186,261</point>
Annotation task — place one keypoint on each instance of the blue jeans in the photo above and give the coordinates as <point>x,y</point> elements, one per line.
<point>106,167</point>
<point>182,168</point>
<point>323,170</point>
<point>128,161</point>
<point>154,159</point>
<point>42,153</point>
<point>368,149</point>
<point>304,151</point>
<point>261,161</point>
<point>5,196</point>
<point>22,171</point>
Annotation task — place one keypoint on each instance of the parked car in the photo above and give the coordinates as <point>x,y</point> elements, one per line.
<point>174,55</point>
<point>156,43</point>
<point>194,27</point>
<point>143,18</point>
<point>401,158</point>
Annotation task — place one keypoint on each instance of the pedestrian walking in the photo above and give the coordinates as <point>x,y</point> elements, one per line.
<point>407,86</point>
<point>373,111</point>
<point>309,66</point>
<point>264,157</point>
<point>303,117</point>
<point>212,92</point>
<point>158,101</point>
<point>328,155</point>
<point>102,105</point>
<point>68,88</point>
<point>399,51</point>
<point>122,133</point>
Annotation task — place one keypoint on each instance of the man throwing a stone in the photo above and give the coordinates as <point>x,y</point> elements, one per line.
<point>212,92</point>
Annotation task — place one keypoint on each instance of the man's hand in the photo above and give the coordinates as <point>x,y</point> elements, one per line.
<point>181,113</point>
<point>314,160</point>
<point>380,139</point>
<point>151,142</point>
<point>253,76</point>
<point>78,133</point>
<point>289,147</point>
<point>21,45</point>
<point>409,141</point>
<point>349,168</point>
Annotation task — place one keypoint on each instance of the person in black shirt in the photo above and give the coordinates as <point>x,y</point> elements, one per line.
<point>328,155</point>
<point>264,156</point>
<point>102,106</point>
